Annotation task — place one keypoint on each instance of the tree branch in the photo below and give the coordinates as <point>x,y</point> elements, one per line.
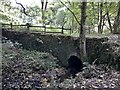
<point>71,12</point>
<point>24,10</point>
<point>46,4</point>
<point>42,3</point>
<point>69,2</point>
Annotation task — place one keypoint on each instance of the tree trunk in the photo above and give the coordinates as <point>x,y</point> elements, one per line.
<point>100,19</point>
<point>44,6</point>
<point>72,24</point>
<point>82,32</point>
<point>116,25</point>
<point>93,23</point>
<point>108,17</point>
<point>82,38</point>
<point>103,22</point>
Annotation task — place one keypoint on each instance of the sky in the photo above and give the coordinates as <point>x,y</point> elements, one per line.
<point>29,2</point>
<point>38,2</point>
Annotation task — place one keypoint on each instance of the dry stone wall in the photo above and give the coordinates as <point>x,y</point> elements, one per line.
<point>60,46</point>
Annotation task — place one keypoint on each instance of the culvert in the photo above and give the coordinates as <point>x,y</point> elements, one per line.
<point>75,65</point>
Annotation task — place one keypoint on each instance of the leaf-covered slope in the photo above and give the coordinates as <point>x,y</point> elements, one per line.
<point>31,69</point>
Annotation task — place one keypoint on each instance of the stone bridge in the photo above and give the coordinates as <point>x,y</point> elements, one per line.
<point>59,46</point>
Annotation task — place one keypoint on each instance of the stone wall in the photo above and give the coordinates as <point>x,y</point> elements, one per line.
<point>60,46</point>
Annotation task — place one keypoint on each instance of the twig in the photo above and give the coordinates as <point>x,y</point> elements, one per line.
<point>24,10</point>
<point>71,12</point>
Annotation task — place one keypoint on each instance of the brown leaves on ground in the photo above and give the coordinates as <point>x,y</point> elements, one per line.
<point>31,69</point>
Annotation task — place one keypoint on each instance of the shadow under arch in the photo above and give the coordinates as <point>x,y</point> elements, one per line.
<point>75,65</point>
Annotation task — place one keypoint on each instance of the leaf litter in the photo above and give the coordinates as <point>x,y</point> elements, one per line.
<point>32,69</point>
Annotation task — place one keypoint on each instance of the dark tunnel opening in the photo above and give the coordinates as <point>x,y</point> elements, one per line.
<point>75,65</point>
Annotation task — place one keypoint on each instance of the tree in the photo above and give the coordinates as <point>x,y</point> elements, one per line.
<point>44,6</point>
<point>75,7</point>
<point>82,37</point>
<point>117,21</point>
<point>100,18</point>
<point>108,17</point>
<point>60,18</point>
